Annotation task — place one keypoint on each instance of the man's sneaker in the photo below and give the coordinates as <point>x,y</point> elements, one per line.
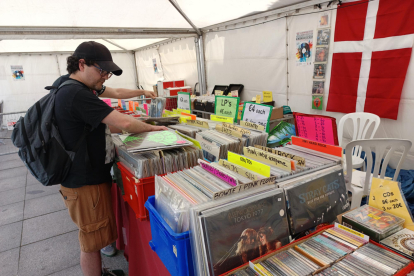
<point>109,251</point>
<point>109,272</point>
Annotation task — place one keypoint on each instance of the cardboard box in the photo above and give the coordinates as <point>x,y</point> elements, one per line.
<point>155,88</point>
<point>277,113</point>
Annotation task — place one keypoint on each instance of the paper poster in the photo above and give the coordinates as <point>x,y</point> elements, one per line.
<point>227,106</point>
<point>387,196</point>
<point>267,96</point>
<point>154,64</point>
<point>322,54</point>
<point>17,72</point>
<point>317,102</point>
<point>319,71</point>
<point>184,101</point>
<point>324,36</point>
<point>324,20</point>
<point>316,128</point>
<point>257,113</point>
<point>304,45</point>
<point>318,88</point>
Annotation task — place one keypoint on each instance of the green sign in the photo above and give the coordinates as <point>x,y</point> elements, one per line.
<point>184,101</point>
<point>227,106</point>
<point>257,113</point>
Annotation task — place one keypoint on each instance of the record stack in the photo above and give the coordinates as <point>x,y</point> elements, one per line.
<point>375,223</point>
<point>368,260</point>
<point>228,233</point>
<point>308,256</point>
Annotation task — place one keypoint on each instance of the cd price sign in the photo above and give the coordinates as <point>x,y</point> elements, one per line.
<point>227,106</point>
<point>257,113</point>
<point>184,101</point>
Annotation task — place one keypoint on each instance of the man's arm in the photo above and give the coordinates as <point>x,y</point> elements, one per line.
<point>123,93</point>
<point>128,123</point>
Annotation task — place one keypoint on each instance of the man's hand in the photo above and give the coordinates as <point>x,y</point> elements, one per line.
<point>149,94</point>
<point>158,128</point>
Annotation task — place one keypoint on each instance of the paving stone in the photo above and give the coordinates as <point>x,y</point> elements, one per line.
<point>11,213</point>
<point>47,226</point>
<point>11,173</point>
<point>12,196</point>
<point>10,236</point>
<point>50,256</point>
<point>116,262</point>
<point>43,205</point>
<point>9,157</point>
<point>35,191</point>
<point>9,261</point>
<point>11,164</point>
<point>31,180</point>
<point>71,271</point>
<point>12,183</point>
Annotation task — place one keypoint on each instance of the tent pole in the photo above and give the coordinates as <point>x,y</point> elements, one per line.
<point>203,83</point>
<point>177,7</point>
<point>134,62</point>
<point>200,78</point>
<point>287,60</point>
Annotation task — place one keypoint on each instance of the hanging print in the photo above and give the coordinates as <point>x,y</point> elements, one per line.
<point>17,72</point>
<point>304,45</point>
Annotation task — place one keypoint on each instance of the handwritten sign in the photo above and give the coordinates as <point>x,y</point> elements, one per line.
<point>221,119</point>
<point>198,123</point>
<point>301,160</point>
<point>267,96</point>
<point>245,187</point>
<point>387,196</point>
<point>227,178</point>
<point>228,131</point>
<point>257,113</point>
<point>321,147</point>
<point>107,101</point>
<point>184,101</point>
<point>268,158</point>
<point>252,125</point>
<point>209,147</point>
<point>239,129</point>
<point>227,106</point>
<point>238,169</point>
<point>317,128</point>
<point>249,164</point>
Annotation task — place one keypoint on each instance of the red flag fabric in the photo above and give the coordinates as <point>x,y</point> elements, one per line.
<point>372,49</point>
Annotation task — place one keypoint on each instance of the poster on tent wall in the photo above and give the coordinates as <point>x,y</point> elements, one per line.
<point>304,45</point>
<point>17,72</point>
<point>154,64</point>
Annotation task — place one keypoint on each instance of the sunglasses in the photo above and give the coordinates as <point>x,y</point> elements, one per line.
<point>103,73</point>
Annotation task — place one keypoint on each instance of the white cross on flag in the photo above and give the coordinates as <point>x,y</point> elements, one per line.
<point>372,49</point>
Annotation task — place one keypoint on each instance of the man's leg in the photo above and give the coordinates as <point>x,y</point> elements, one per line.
<point>91,263</point>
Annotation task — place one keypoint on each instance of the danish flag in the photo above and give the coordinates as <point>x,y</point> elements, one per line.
<point>372,49</point>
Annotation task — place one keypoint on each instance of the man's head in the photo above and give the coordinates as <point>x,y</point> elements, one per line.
<point>92,64</point>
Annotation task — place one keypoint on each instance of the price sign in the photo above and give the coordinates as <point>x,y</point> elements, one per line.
<point>218,92</point>
<point>257,113</point>
<point>267,96</point>
<point>184,101</point>
<point>107,101</point>
<point>249,164</point>
<point>387,196</point>
<point>227,106</point>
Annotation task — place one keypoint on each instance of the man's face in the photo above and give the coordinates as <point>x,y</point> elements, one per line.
<point>92,76</point>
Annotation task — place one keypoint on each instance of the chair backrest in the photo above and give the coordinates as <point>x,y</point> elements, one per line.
<point>379,146</point>
<point>362,121</point>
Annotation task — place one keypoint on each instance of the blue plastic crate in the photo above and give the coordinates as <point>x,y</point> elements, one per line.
<point>173,249</point>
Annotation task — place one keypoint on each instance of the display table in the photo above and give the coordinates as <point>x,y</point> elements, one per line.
<point>133,238</point>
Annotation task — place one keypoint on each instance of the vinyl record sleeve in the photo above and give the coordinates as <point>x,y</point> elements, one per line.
<point>316,201</point>
<point>244,231</point>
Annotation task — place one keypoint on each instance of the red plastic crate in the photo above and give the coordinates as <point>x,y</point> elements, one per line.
<point>137,191</point>
<point>171,103</point>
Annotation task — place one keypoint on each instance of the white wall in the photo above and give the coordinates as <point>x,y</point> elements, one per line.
<point>42,70</point>
<point>175,60</point>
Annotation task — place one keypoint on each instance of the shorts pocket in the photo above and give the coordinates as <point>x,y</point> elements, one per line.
<point>69,197</point>
<point>91,227</point>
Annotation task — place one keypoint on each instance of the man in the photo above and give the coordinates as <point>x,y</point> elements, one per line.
<point>86,190</point>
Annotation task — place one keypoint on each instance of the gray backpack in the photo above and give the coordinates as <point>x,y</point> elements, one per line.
<point>40,146</point>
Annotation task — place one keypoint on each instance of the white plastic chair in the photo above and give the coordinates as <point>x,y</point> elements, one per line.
<point>362,121</point>
<point>379,146</point>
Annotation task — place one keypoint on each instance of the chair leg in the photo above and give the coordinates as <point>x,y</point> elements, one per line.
<point>356,199</point>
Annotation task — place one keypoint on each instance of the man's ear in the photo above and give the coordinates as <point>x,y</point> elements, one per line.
<point>81,65</point>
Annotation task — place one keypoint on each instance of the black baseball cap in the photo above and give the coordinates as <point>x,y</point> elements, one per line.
<point>97,52</point>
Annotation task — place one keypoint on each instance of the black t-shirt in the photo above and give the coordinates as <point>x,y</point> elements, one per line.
<point>76,106</point>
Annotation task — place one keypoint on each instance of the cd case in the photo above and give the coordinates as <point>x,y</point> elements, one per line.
<point>402,242</point>
<point>371,221</point>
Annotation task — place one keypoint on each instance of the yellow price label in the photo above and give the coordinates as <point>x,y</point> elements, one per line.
<point>267,96</point>
<point>218,92</point>
<point>249,164</point>
<point>252,125</point>
<point>179,110</point>
<point>222,119</point>
<point>198,123</point>
<point>195,142</point>
<point>258,98</point>
<point>340,226</point>
<point>238,169</point>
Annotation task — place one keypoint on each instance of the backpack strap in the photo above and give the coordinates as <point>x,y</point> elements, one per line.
<point>39,114</point>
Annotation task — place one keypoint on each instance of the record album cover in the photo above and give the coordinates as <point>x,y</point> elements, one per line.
<point>242,233</point>
<point>402,242</point>
<point>316,201</point>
